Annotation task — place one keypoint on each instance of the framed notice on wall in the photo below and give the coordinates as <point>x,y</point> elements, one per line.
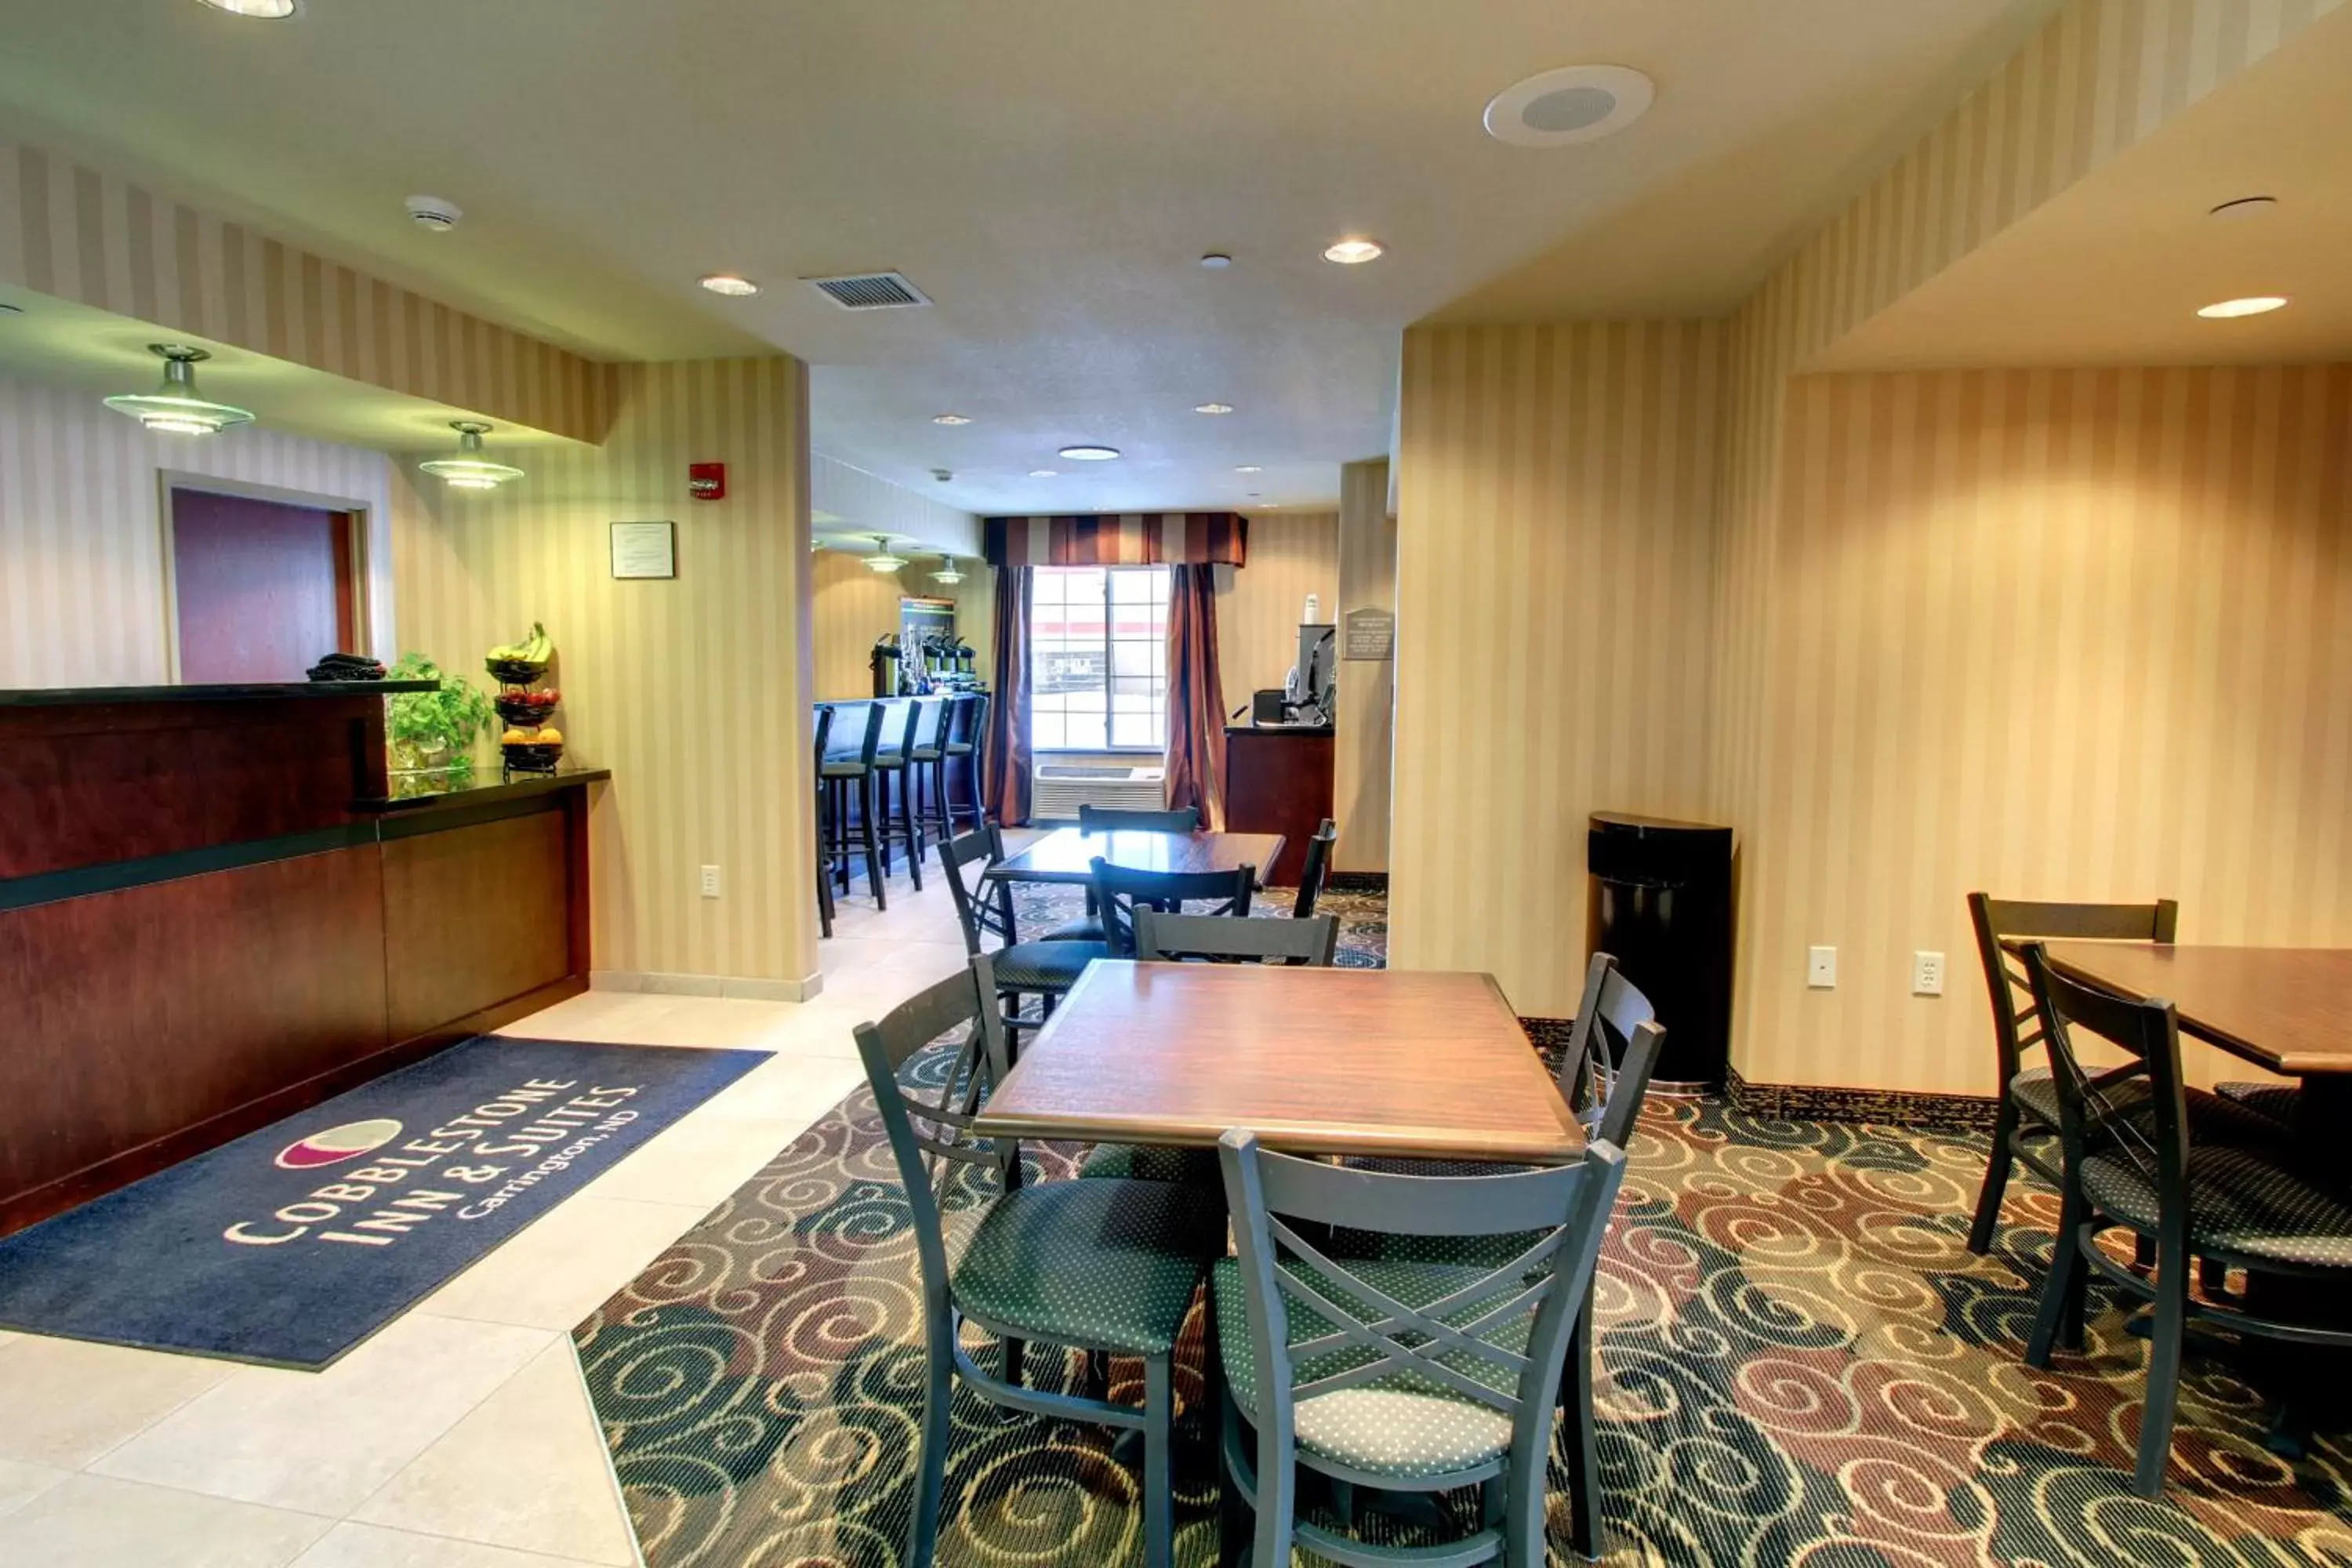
<point>645,550</point>
<point>1371,635</point>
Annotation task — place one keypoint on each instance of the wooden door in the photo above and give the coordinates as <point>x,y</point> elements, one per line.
<point>263,588</point>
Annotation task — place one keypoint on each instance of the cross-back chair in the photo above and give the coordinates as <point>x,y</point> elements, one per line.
<point>1103,1266</point>
<point>1393,1374</point>
<point>1235,939</point>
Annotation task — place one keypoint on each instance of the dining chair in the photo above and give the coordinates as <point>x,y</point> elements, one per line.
<point>1603,1079</point>
<point>1317,867</point>
<point>1045,969</point>
<point>1102,1266</point>
<point>1230,939</point>
<point>2025,1124</point>
<point>1088,927</point>
<point>848,776</point>
<point>1120,891</point>
<point>1399,1375</point>
<point>823,732</point>
<point>2132,1161</point>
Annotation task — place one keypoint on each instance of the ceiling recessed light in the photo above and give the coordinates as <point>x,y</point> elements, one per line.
<point>2253,305</point>
<point>951,419</point>
<point>727,283</point>
<point>268,10</point>
<point>1045,473</point>
<point>1354,252</point>
<point>1574,103</point>
<point>1212,408</point>
<point>1090,454</point>
<point>2245,206</point>
<point>1217,261</point>
<point>1251,468</point>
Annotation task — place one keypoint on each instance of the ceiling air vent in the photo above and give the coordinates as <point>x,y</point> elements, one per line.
<point>869,291</point>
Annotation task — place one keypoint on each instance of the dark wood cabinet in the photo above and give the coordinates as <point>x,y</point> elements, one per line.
<point>1278,780</point>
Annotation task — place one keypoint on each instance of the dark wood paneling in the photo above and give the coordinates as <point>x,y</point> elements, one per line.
<point>475,916</point>
<point>141,1017</point>
<point>1278,782</point>
<point>85,786</point>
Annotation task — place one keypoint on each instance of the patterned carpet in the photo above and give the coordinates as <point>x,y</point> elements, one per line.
<point>1803,1365</point>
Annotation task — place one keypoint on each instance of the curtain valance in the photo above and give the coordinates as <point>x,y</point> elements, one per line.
<point>1120,538</point>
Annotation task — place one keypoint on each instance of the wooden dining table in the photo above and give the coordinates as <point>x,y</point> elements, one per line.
<point>1324,1062</point>
<point>2288,1009</point>
<point>1069,854</point>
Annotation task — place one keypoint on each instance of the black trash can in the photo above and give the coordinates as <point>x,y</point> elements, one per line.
<point>1660,902</point>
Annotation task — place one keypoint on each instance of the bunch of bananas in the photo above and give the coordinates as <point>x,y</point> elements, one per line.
<point>533,650</point>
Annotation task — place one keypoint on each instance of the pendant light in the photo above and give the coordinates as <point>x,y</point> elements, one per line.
<point>471,468</point>
<point>173,408</point>
<point>882,560</point>
<point>949,573</point>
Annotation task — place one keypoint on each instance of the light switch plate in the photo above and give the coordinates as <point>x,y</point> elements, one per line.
<point>711,881</point>
<point>1821,968</point>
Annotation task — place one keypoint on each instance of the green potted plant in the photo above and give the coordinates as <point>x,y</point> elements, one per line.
<point>432,733</point>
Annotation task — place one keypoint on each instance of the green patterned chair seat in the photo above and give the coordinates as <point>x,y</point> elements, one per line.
<point>1142,1163</point>
<point>1108,1265</point>
<point>1045,965</point>
<point>2239,1202</point>
<point>2212,1119</point>
<point>1087,928</point>
<point>1398,1425</point>
<point>2276,1100</point>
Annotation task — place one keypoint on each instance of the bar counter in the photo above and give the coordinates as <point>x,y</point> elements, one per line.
<point>215,911</point>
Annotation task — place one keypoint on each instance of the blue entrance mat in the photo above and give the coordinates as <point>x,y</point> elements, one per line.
<point>293,1244</point>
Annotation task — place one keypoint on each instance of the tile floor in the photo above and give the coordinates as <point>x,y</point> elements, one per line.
<point>459,1436</point>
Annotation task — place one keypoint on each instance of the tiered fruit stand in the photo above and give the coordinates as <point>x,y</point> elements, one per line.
<point>530,744</point>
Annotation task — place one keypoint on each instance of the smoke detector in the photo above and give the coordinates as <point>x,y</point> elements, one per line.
<point>944,475</point>
<point>434,214</point>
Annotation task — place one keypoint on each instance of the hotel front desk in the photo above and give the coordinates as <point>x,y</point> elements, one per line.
<point>212,914</point>
<point>1279,779</point>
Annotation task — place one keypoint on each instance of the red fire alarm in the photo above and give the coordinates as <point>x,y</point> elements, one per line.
<point>707,481</point>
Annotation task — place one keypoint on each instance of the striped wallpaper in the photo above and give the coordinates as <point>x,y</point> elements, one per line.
<point>1359,785</point>
<point>2064,635</point>
<point>1555,575</point>
<point>81,551</point>
<point>1291,555</point>
<point>71,231</point>
<point>852,606</point>
<point>694,691</point>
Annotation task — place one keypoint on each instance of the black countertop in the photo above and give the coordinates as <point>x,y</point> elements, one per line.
<point>72,696</point>
<point>484,786</point>
<point>1279,729</point>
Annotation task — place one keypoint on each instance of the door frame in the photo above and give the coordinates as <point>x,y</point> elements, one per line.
<point>356,516</point>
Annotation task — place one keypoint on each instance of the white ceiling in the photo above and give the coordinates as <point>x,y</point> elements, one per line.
<point>1048,169</point>
<point>2113,271</point>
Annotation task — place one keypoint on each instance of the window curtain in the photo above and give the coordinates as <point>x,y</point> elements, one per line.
<point>1196,697</point>
<point>1008,712</point>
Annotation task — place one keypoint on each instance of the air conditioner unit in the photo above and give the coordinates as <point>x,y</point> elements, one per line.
<point>1058,789</point>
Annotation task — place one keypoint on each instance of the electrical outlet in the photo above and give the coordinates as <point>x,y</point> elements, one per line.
<point>1927,974</point>
<point>711,881</point>
<point>1821,968</point>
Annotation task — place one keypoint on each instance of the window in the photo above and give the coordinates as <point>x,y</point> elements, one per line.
<point>1098,658</point>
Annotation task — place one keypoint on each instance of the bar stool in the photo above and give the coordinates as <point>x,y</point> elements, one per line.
<point>843,775</point>
<point>824,835</point>
<point>955,755</point>
<point>971,747</point>
<point>896,771</point>
<point>927,768</point>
